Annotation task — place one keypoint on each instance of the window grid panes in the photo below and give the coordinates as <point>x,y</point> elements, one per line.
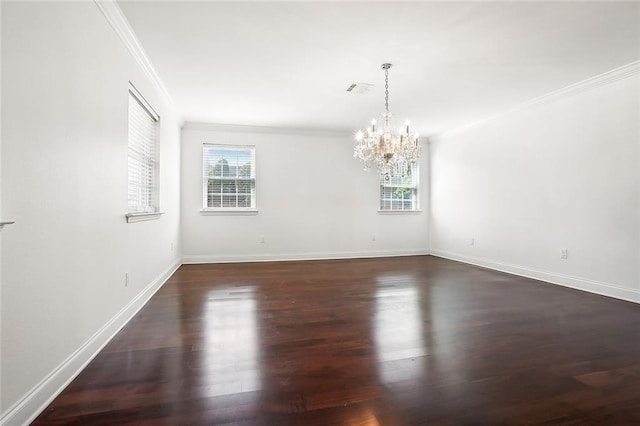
<point>228,177</point>
<point>399,192</point>
<point>142,183</point>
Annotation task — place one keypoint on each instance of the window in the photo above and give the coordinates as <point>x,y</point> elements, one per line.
<point>142,186</point>
<point>400,193</point>
<point>228,177</point>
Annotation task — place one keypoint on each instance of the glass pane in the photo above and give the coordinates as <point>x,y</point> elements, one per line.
<point>213,200</point>
<point>229,187</point>
<point>214,185</point>
<point>244,201</point>
<point>228,201</point>
<point>244,187</point>
<point>226,162</point>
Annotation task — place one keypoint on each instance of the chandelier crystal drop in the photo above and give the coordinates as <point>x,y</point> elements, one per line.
<point>391,153</point>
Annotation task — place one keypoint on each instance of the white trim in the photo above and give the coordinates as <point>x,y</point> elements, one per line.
<point>146,105</point>
<point>229,212</point>
<point>611,76</point>
<point>591,286</point>
<point>6,222</point>
<point>25,410</point>
<point>242,258</point>
<point>140,217</point>
<point>229,147</point>
<point>400,212</point>
<point>241,128</point>
<point>119,23</point>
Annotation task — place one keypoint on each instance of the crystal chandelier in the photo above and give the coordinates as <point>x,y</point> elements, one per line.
<point>392,154</point>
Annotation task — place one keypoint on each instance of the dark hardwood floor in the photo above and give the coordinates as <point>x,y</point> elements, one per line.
<point>395,341</point>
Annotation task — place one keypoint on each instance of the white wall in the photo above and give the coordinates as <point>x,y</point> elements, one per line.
<point>560,173</point>
<point>1,406</point>
<point>314,201</point>
<point>65,76</point>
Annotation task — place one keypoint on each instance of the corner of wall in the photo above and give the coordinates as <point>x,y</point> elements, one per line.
<point>31,405</point>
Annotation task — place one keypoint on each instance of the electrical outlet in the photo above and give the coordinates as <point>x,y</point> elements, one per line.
<point>374,237</point>
<point>262,239</point>
<point>126,279</point>
<point>472,242</point>
<point>564,253</point>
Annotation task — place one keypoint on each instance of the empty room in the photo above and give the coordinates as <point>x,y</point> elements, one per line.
<point>320,213</point>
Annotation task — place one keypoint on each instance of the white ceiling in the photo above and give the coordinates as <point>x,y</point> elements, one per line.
<point>289,63</point>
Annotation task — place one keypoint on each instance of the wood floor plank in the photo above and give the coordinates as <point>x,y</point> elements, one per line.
<point>392,341</point>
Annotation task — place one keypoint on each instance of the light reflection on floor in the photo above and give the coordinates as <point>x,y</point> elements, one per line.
<point>398,330</point>
<point>231,342</point>
<point>362,418</point>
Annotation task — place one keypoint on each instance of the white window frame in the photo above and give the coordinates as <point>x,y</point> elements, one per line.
<point>411,184</point>
<point>206,209</point>
<point>143,193</point>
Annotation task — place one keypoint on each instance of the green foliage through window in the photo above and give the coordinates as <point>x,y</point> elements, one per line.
<point>400,192</point>
<point>229,177</point>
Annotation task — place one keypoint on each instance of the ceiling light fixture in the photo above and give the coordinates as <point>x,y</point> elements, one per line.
<point>392,154</point>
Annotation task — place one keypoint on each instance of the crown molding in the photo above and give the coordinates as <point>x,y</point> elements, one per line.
<point>119,23</point>
<point>605,78</point>
<point>241,128</point>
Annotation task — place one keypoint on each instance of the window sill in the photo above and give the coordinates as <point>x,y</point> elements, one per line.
<point>139,217</point>
<point>400,212</point>
<point>7,222</point>
<point>229,212</point>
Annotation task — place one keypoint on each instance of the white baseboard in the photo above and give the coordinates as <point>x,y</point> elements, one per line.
<point>604,289</point>
<point>191,259</point>
<point>31,405</point>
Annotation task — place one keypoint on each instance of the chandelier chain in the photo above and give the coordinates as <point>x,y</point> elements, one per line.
<point>386,90</point>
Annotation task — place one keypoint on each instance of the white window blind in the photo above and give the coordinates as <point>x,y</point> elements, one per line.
<point>142,191</point>
<point>400,192</point>
<point>228,177</point>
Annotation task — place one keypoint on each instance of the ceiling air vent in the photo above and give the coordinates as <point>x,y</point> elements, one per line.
<point>359,88</point>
